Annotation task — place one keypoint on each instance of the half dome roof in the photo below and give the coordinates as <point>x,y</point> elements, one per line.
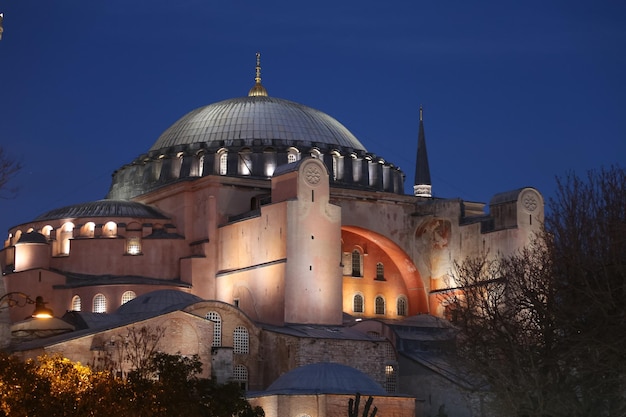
<point>256,118</point>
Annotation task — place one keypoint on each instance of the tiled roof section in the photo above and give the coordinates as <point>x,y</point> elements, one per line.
<point>104,208</point>
<point>325,378</point>
<point>256,118</point>
<point>32,237</point>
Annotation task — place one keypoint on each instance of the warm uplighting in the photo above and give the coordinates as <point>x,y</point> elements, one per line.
<point>41,311</point>
<point>19,299</point>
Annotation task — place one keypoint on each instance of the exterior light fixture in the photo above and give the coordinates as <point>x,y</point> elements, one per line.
<point>19,299</point>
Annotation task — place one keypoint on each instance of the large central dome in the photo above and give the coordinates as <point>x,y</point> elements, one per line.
<point>261,118</point>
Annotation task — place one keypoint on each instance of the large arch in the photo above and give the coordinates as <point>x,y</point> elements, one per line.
<point>416,293</point>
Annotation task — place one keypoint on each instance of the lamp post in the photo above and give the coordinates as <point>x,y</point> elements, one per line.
<point>19,299</point>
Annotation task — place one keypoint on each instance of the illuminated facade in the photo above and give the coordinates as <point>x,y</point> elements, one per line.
<point>271,218</point>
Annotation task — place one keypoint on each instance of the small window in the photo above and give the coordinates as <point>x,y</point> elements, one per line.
<point>240,375</point>
<point>391,379</point>
<point>109,229</point>
<point>291,157</point>
<point>380,305</point>
<point>214,317</point>
<point>223,163</point>
<point>99,304</point>
<point>127,296</point>
<point>245,162</point>
<point>356,263</point>
<point>241,340</point>
<point>133,246</point>
<point>380,271</point>
<point>402,306</point>
<point>76,305</point>
<point>358,303</point>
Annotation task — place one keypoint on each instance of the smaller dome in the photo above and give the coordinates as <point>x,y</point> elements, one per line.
<point>325,378</point>
<point>103,208</point>
<point>157,302</point>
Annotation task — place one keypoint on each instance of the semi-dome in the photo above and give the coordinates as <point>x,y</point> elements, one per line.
<point>266,119</point>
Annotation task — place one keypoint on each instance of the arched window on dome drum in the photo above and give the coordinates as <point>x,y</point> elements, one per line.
<point>269,162</point>
<point>402,306</point>
<point>357,263</point>
<point>109,230</point>
<point>241,340</point>
<point>380,305</point>
<point>292,155</point>
<point>127,296</point>
<point>67,233</point>
<point>200,164</point>
<point>337,165</point>
<point>99,304</point>
<point>177,164</point>
<point>245,162</point>
<point>358,303</point>
<point>76,303</point>
<point>88,229</point>
<point>357,173</point>
<point>240,375</point>
<point>223,163</point>
<point>46,231</point>
<point>315,153</point>
<point>216,319</point>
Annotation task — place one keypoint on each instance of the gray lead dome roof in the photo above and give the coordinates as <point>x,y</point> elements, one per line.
<point>256,118</point>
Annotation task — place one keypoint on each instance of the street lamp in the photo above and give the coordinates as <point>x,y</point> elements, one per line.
<point>19,299</point>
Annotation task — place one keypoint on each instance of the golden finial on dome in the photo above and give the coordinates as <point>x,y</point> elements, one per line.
<point>257,89</point>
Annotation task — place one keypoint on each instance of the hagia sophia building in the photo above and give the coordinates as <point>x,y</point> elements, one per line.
<point>262,236</point>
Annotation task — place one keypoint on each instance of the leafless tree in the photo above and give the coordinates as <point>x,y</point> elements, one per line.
<point>9,167</point>
<point>545,328</point>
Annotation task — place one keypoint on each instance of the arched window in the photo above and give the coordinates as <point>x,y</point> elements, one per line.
<point>358,303</point>
<point>223,163</point>
<point>99,304</point>
<point>88,229</point>
<point>133,246</point>
<point>337,166</point>
<point>241,340</point>
<point>402,306</point>
<point>315,153</point>
<point>200,164</point>
<point>380,305</point>
<point>380,271</point>
<point>127,296</point>
<point>67,233</point>
<point>109,229</point>
<point>245,162</point>
<point>214,317</point>
<point>391,379</point>
<point>357,262</point>
<point>292,156</point>
<point>240,375</point>
<point>76,306</point>
<point>46,231</point>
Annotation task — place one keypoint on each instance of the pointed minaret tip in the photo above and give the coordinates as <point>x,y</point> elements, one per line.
<point>257,89</point>
<point>422,186</point>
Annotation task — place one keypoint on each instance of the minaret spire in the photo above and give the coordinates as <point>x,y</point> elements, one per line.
<point>257,89</point>
<point>422,186</point>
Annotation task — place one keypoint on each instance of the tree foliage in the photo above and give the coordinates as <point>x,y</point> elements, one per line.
<point>545,328</point>
<point>53,386</point>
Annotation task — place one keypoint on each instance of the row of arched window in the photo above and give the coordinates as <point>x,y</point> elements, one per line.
<point>99,302</point>
<point>358,305</point>
<point>357,266</point>
<point>241,337</point>
<point>363,169</point>
<point>64,234</point>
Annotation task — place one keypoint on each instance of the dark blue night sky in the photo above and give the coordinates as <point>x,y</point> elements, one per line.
<point>514,93</point>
